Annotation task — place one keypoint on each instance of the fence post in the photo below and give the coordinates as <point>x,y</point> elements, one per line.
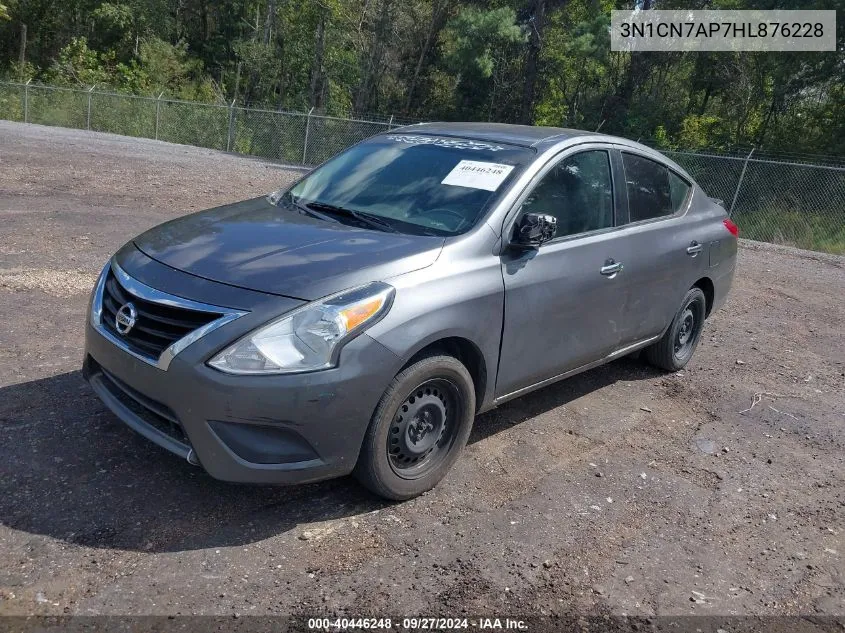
<point>88,115</point>
<point>26,101</point>
<point>305,143</point>
<point>739,182</point>
<point>231,125</point>
<point>158,112</point>
<point>390,123</point>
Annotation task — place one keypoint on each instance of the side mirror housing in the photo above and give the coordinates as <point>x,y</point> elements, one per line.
<point>534,229</point>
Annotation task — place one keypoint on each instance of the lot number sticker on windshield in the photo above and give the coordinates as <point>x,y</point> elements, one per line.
<point>477,175</point>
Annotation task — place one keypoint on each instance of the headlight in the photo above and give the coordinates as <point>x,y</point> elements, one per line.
<point>308,338</point>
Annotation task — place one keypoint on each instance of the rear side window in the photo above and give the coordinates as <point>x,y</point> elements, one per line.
<point>649,192</point>
<point>679,189</point>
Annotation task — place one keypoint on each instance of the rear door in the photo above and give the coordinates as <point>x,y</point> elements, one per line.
<point>661,250</point>
<point>564,302</point>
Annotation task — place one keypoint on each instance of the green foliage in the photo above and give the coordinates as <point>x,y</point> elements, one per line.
<point>661,139</point>
<point>11,103</point>
<point>78,65</point>
<point>471,39</point>
<point>20,72</point>
<point>576,61</point>
<point>114,26</point>
<point>427,59</point>
<point>698,131</point>
<point>159,68</point>
<point>168,68</point>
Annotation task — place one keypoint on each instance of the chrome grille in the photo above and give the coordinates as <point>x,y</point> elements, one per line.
<point>158,325</point>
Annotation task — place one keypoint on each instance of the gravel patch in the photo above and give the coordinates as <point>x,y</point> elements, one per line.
<point>58,283</point>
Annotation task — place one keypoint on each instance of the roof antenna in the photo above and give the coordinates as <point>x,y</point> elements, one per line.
<point>600,124</point>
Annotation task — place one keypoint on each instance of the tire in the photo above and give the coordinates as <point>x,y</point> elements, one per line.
<point>419,428</point>
<point>675,349</point>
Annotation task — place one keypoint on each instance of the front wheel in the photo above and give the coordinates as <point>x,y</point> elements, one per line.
<point>419,427</point>
<point>675,349</point>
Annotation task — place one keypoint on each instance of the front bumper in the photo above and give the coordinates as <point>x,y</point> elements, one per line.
<point>290,428</point>
<point>255,429</point>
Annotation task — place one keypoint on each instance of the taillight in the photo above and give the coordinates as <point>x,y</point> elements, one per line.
<point>733,228</point>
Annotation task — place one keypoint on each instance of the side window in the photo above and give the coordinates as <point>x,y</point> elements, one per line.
<point>578,191</point>
<point>679,189</point>
<point>649,193</point>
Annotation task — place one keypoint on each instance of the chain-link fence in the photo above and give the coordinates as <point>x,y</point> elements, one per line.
<point>295,137</point>
<point>795,202</point>
<point>791,202</point>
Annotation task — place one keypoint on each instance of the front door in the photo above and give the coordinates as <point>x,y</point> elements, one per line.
<point>564,302</point>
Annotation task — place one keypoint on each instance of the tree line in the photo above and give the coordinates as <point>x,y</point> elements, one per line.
<point>542,62</point>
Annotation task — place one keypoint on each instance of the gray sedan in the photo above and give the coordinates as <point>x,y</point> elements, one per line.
<point>357,321</point>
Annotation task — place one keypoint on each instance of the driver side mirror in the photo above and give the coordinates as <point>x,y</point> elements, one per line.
<point>534,229</point>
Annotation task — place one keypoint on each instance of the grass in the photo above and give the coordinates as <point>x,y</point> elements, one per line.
<point>815,231</point>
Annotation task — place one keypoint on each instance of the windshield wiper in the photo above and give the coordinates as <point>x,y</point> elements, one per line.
<point>287,198</point>
<point>362,216</point>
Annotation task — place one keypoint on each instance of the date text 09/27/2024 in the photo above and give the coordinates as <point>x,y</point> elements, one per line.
<point>416,624</point>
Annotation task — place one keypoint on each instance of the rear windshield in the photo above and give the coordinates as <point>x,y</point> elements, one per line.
<point>415,183</point>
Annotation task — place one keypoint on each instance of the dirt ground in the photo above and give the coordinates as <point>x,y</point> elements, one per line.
<point>622,490</point>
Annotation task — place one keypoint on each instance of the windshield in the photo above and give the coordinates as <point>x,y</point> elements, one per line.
<point>413,183</point>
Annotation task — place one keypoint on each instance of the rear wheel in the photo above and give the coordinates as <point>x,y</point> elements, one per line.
<point>419,427</point>
<point>675,349</point>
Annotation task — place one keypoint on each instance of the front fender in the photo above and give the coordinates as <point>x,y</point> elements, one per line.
<point>441,303</point>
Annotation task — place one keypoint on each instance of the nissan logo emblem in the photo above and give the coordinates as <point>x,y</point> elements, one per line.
<point>125,318</point>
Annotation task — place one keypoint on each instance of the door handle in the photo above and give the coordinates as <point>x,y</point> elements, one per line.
<point>694,248</point>
<point>611,268</point>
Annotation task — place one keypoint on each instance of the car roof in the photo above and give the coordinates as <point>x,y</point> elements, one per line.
<point>525,135</point>
<point>535,136</point>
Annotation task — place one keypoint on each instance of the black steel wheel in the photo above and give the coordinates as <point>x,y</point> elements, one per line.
<point>675,349</point>
<point>418,429</point>
<point>424,428</point>
<point>686,333</point>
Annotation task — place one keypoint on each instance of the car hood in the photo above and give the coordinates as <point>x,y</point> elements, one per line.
<point>257,245</point>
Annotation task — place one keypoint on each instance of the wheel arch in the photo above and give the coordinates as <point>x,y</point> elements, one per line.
<point>467,352</point>
<point>705,284</point>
